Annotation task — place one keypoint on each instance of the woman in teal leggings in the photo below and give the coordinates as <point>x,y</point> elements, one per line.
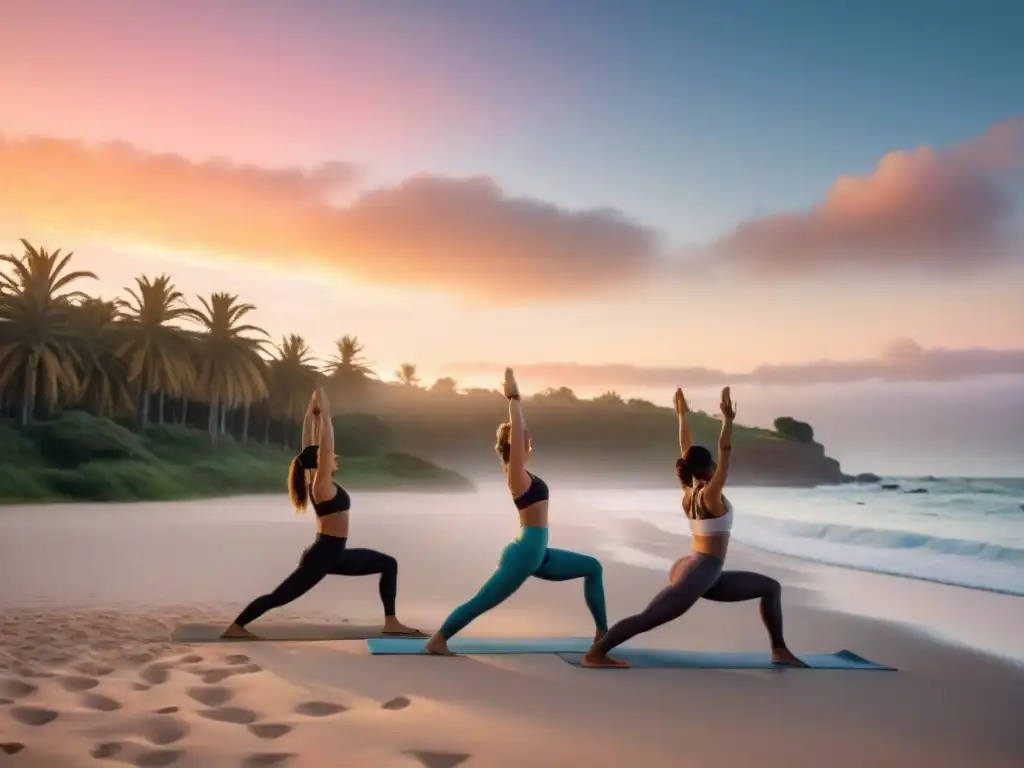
<point>529,554</point>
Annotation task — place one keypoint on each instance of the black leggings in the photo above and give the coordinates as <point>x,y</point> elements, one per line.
<point>328,556</point>
<point>703,576</point>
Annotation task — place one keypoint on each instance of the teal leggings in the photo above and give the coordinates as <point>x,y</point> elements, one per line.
<point>525,557</point>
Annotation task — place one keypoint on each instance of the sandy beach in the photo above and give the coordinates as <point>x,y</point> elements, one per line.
<point>89,675</point>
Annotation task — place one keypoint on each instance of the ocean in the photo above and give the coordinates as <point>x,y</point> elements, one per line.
<point>967,532</point>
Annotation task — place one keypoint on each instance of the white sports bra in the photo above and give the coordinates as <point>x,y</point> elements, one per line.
<point>712,526</point>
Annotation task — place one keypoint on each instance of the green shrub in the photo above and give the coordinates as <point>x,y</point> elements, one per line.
<point>76,438</point>
<point>17,448</point>
<point>789,427</point>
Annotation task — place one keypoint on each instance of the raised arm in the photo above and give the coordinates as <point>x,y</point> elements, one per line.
<point>323,484</point>
<point>518,479</point>
<point>309,420</point>
<point>713,490</point>
<point>682,409</point>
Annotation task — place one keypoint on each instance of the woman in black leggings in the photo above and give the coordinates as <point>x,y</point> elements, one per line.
<point>328,554</point>
<point>701,574</point>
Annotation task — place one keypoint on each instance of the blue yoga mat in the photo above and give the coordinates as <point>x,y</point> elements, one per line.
<point>642,658</point>
<point>405,646</point>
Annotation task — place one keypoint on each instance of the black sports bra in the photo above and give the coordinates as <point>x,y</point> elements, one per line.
<point>538,491</point>
<point>340,502</point>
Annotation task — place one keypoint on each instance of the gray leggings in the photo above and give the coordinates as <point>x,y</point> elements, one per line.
<point>702,576</point>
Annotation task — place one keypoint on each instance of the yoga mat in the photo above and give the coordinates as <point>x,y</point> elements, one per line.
<point>210,633</point>
<point>642,658</point>
<point>401,646</point>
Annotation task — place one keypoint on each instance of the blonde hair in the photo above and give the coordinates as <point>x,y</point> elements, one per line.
<point>503,441</point>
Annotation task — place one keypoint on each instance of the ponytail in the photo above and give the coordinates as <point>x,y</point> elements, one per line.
<point>684,473</point>
<point>297,490</point>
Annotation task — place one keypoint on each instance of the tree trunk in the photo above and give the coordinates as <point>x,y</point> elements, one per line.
<point>211,422</point>
<point>245,423</point>
<point>28,402</point>
<point>266,427</point>
<point>160,408</point>
<point>223,419</point>
<point>184,411</point>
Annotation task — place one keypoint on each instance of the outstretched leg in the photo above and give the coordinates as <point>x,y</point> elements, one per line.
<point>699,573</point>
<point>311,570</point>
<point>563,565</point>
<point>367,562</point>
<point>514,568</point>
<point>740,586</point>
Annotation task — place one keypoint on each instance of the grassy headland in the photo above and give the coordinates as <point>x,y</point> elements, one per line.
<point>79,457</point>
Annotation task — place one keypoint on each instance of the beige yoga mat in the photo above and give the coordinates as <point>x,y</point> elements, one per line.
<point>211,633</point>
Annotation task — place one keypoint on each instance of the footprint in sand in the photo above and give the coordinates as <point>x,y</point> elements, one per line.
<point>399,702</point>
<point>211,695</point>
<point>191,659</point>
<point>100,703</point>
<point>140,687</point>
<point>248,669</point>
<point>6,701</point>
<point>106,750</point>
<point>163,730</point>
<point>155,674</point>
<point>269,731</point>
<point>17,689</point>
<point>11,747</point>
<point>33,715</point>
<point>94,669</point>
<point>167,710</point>
<point>237,658</point>
<point>74,683</point>
<point>438,759</point>
<point>264,759</point>
<point>319,709</point>
<point>236,715</point>
<point>157,758</point>
<point>213,676</point>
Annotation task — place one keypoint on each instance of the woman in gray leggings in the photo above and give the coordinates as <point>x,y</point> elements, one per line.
<point>700,574</point>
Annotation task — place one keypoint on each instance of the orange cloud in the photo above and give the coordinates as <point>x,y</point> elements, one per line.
<point>940,208</point>
<point>903,360</point>
<point>464,236</point>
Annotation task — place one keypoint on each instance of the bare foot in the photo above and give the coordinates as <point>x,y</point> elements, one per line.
<point>437,646</point>
<point>235,632</point>
<point>392,626</point>
<point>596,659</point>
<point>599,634</point>
<point>785,656</point>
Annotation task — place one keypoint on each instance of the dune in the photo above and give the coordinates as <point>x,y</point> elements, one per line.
<point>91,675</point>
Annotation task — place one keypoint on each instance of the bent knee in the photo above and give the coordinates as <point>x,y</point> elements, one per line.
<point>388,564</point>
<point>773,588</point>
<point>594,567</point>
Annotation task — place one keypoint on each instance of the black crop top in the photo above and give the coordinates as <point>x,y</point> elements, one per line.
<point>538,491</point>
<point>340,502</point>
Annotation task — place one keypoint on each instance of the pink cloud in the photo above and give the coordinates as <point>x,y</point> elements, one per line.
<point>463,236</point>
<point>939,208</point>
<point>903,360</point>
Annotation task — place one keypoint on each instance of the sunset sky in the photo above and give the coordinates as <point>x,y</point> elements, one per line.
<point>820,203</point>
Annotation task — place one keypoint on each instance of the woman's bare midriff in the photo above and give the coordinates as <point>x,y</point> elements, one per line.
<point>334,524</point>
<point>535,515</point>
<point>715,546</point>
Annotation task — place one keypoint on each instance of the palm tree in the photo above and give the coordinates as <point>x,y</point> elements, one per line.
<point>158,352</point>
<point>291,377</point>
<point>348,370</point>
<point>406,374</point>
<point>611,397</point>
<point>103,375</point>
<point>229,368</point>
<point>35,342</point>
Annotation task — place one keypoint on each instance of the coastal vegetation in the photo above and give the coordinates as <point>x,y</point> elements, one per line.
<point>152,395</point>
